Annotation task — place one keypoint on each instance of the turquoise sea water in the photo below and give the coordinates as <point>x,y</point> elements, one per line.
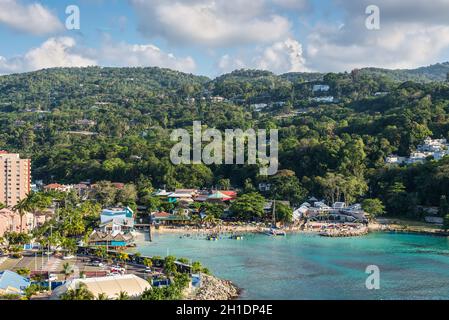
<point>312,267</point>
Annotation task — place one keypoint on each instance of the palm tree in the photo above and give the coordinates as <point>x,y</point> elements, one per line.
<point>102,296</point>
<point>22,207</point>
<point>67,270</point>
<point>123,296</point>
<point>147,262</point>
<point>80,293</point>
<point>37,202</point>
<point>123,256</point>
<point>210,219</point>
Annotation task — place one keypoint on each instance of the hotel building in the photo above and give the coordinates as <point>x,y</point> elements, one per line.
<point>15,178</point>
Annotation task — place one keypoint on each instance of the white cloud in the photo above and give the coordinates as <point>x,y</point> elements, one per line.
<point>64,52</point>
<point>280,57</point>
<point>55,52</point>
<point>32,18</point>
<point>211,22</point>
<point>135,55</point>
<point>292,4</point>
<point>408,36</point>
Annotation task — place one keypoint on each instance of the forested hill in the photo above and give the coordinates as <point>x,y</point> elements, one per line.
<point>48,89</point>
<point>115,123</point>
<point>436,72</point>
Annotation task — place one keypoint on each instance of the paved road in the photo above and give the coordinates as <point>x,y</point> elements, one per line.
<point>55,266</point>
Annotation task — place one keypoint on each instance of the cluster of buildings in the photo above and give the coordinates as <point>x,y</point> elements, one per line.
<point>321,90</point>
<point>315,210</point>
<point>115,230</point>
<point>213,99</point>
<point>430,148</point>
<point>117,224</point>
<point>187,196</point>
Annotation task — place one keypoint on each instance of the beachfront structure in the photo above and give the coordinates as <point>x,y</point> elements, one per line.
<point>165,218</point>
<point>338,212</point>
<point>118,215</point>
<point>218,196</point>
<point>15,178</point>
<point>188,196</point>
<point>12,283</point>
<point>111,286</point>
<point>116,226</point>
<point>109,239</point>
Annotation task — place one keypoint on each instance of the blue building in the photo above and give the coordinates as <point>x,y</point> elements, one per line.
<point>12,283</point>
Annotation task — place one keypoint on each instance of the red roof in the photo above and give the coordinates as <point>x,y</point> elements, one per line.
<point>54,186</point>
<point>231,194</point>
<point>161,214</point>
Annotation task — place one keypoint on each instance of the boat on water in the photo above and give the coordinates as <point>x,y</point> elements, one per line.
<point>236,237</point>
<point>212,238</point>
<point>276,232</point>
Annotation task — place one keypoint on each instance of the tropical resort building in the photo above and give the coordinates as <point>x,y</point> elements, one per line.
<point>110,286</point>
<point>165,218</point>
<point>339,211</point>
<point>111,240</point>
<point>115,230</point>
<point>218,197</point>
<point>12,283</point>
<point>118,215</point>
<point>188,196</point>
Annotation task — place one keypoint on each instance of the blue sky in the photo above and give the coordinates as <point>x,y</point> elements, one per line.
<point>212,37</point>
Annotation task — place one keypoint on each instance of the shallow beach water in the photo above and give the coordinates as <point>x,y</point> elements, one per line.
<point>306,266</point>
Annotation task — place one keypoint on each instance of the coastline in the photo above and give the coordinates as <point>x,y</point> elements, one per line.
<point>382,225</point>
<point>403,226</point>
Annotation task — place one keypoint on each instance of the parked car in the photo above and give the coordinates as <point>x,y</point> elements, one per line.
<point>52,277</point>
<point>68,257</point>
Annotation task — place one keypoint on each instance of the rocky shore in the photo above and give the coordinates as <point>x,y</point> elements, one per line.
<point>345,232</point>
<point>213,288</point>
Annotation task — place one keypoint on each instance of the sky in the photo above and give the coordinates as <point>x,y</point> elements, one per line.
<point>212,37</point>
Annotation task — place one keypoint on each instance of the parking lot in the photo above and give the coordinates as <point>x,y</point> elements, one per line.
<point>54,265</point>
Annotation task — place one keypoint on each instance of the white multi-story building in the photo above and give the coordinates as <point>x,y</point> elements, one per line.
<point>436,148</point>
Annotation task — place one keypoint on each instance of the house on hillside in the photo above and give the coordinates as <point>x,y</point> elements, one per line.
<point>58,187</point>
<point>320,88</point>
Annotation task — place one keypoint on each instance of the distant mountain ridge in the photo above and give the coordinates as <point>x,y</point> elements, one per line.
<point>435,72</point>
